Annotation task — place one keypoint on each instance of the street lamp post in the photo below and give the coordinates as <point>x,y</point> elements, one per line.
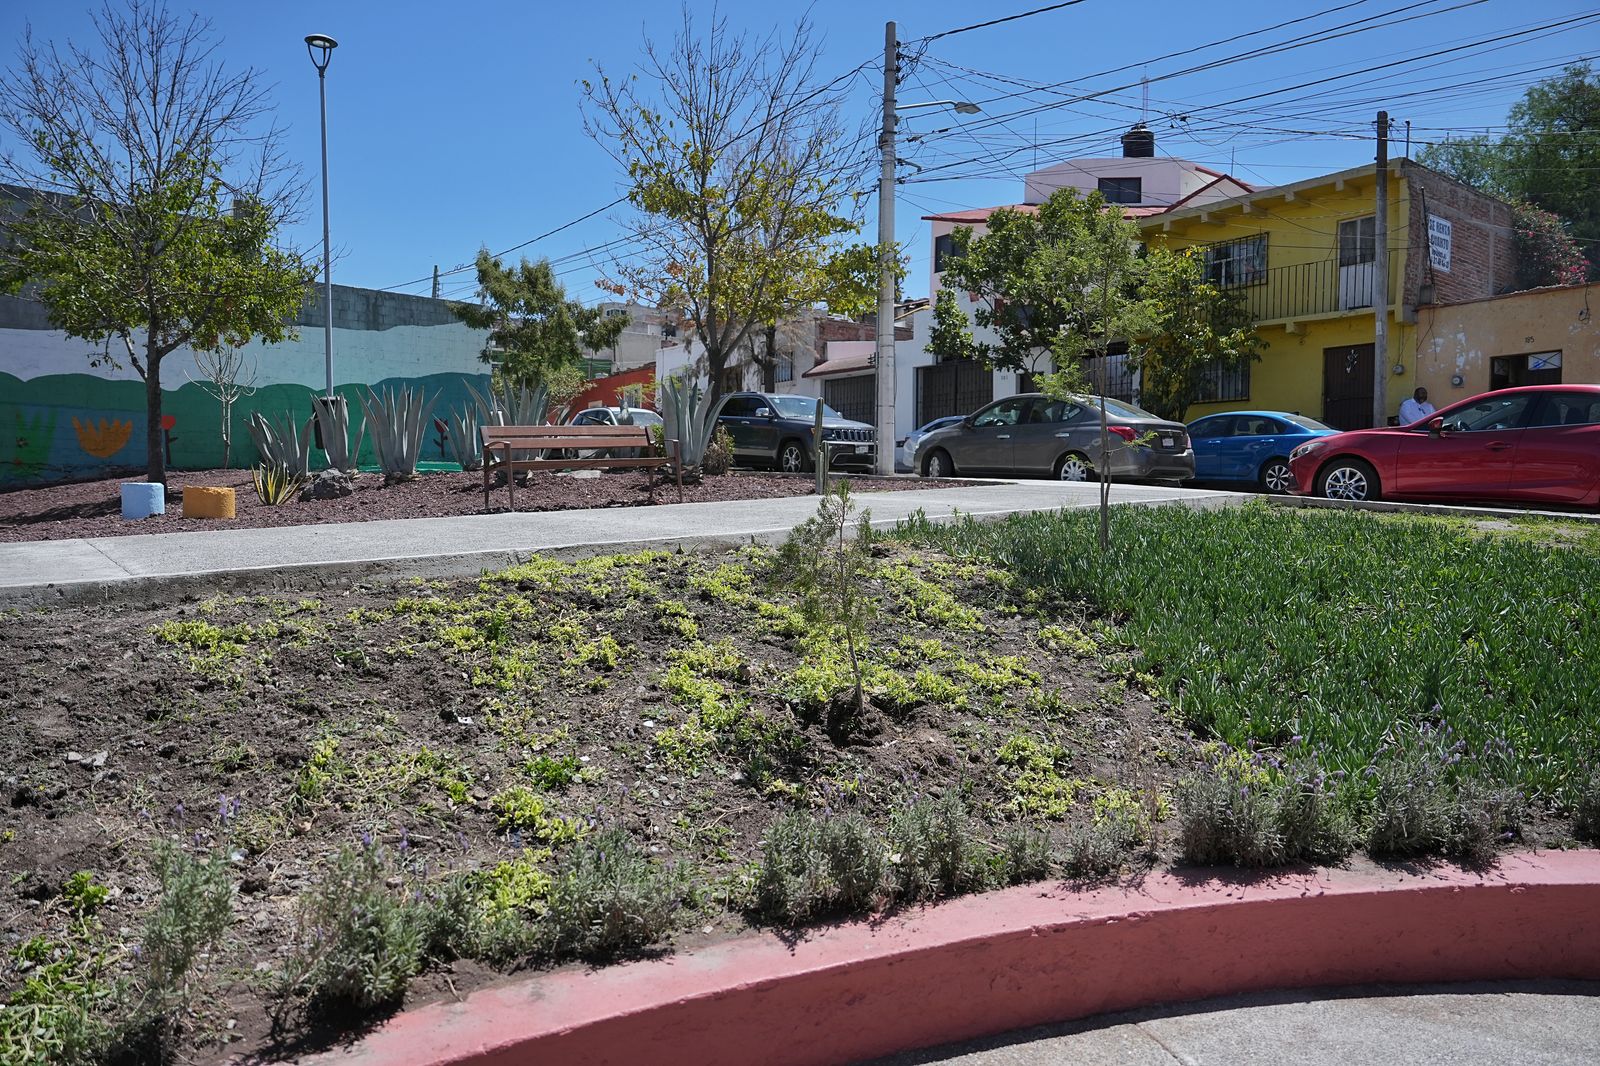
<point>884,360</point>
<point>320,47</point>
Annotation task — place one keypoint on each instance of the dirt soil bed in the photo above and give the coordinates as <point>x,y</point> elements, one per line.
<point>671,694</point>
<point>93,508</point>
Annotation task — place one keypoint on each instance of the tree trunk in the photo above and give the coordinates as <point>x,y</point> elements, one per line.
<point>769,366</point>
<point>227,432</point>
<point>154,439</point>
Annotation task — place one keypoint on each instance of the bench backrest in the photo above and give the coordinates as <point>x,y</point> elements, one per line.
<point>567,436</point>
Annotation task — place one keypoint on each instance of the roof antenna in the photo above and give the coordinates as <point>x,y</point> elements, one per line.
<point>1144,86</point>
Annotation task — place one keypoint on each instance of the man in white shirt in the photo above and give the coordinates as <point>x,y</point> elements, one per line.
<point>1415,409</point>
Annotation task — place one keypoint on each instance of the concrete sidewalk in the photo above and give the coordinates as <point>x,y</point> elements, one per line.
<point>1548,1023</point>
<point>177,563</point>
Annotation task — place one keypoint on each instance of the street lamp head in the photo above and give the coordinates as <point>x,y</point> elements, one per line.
<point>319,46</point>
<point>966,107</point>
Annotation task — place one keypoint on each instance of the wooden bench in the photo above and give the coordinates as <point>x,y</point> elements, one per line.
<point>508,440</point>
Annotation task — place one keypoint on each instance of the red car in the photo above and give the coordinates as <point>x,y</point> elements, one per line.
<point>1537,444</point>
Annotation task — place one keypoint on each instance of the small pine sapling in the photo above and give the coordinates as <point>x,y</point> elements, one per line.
<point>831,571</point>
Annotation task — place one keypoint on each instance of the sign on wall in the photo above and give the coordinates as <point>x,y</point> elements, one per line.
<point>1439,230</point>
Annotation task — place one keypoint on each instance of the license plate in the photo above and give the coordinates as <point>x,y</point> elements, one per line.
<point>861,449</point>
<point>1167,442</point>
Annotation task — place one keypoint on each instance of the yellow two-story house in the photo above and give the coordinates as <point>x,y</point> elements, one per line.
<point>1303,259</point>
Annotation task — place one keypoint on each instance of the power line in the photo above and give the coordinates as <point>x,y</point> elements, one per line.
<point>996,22</point>
<point>514,247</point>
<point>1477,43</point>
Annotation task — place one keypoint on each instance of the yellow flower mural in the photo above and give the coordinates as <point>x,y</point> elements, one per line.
<point>104,440</point>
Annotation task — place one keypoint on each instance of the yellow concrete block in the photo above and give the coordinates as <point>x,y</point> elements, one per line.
<point>207,503</point>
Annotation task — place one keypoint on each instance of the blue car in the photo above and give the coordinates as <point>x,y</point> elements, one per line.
<point>1251,446</point>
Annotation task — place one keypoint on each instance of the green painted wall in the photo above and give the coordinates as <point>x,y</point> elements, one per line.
<point>40,442</point>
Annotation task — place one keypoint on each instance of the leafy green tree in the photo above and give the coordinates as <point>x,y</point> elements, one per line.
<point>536,334</point>
<point>1055,287</point>
<point>1549,157</point>
<point>133,149</point>
<point>950,336</point>
<point>1195,328</point>
<point>743,179</point>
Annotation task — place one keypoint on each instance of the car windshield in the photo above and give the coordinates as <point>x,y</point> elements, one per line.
<point>643,417</point>
<point>801,407</point>
<point>1309,423</point>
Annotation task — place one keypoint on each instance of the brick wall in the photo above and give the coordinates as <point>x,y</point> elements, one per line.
<point>1482,254</point>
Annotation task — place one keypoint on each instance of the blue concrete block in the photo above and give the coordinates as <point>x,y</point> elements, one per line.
<point>142,499</point>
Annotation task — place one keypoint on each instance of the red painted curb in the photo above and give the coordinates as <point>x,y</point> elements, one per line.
<point>1024,956</point>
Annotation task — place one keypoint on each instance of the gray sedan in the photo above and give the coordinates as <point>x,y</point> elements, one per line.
<point>1040,436</point>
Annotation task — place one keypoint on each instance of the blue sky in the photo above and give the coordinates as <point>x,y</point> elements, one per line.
<point>457,125</point>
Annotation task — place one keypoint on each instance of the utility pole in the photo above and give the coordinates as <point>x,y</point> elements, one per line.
<point>1380,283</point>
<point>886,250</point>
<point>436,281</point>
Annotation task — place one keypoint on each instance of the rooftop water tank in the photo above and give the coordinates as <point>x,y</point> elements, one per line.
<point>1138,142</point>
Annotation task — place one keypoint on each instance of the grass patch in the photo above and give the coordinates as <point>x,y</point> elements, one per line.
<point>1264,625</point>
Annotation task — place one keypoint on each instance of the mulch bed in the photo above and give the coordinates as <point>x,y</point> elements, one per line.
<point>93,508</point>
<point>354,715</point>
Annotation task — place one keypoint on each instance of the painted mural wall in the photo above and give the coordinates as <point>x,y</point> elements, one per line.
<point>63,418</point>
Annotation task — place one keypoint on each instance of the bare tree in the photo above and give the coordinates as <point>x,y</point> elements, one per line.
<point>743,176</point>
<point>157,190</point>
<point>225,377</point>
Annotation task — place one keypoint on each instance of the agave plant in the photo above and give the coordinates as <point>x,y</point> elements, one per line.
<point>512,405</point>
<point>280,443</point>
<point>276,484</point>
<point>333,422</point>
<point>687,411</point>
<point>461,431</point>
<point>398,418</point>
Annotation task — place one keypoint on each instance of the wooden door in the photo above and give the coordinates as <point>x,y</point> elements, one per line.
<point>1347,386</point>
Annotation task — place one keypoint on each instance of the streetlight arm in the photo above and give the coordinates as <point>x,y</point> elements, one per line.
<point>964,107</point>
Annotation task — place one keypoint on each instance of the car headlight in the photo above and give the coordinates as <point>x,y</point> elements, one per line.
<point>1307,448</point>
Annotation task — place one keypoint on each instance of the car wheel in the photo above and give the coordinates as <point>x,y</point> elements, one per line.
<point>792,458</point>
<point>1348,479</point>
<point>1276,477</point>
<point>938,464</point>
<point>1074,467</point>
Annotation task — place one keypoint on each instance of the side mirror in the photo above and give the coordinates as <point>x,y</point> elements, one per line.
<point>966,423</point>
<point>763,412</point>
<point>1436,426</point>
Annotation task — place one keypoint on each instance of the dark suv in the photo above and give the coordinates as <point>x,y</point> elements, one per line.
<point>775,430</point>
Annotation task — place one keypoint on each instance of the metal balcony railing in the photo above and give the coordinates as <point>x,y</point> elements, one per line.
<point>1315,289</point>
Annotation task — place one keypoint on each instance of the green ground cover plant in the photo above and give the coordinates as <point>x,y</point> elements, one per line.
<point>1341,631</point>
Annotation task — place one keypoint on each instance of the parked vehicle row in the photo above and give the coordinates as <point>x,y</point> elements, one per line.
<point>1537,443</point>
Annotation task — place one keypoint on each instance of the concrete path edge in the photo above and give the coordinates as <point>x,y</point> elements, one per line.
<point>1017,958</point>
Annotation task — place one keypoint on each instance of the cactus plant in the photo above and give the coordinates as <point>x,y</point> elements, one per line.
<point>398,419</point>
<point>333,422</point>
<point>688,413</point>
<point>282,444</point>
